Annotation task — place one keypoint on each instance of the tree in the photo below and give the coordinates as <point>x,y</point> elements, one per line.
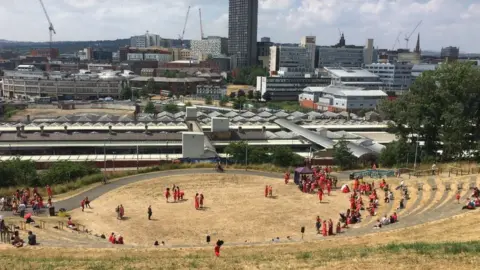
<point>171,108</point>
<point>239,103</point>
<point>284,156</point>
<point>342,156</point>
<point>67,171</point>
<point>126,93</point>
<point>258,95</point>
<point>150,87</point>
<point>397,153</point>
<point>208,100</point>
<point>241,93</point>
<point>149,108</point>
<point>267,96</point>
<point>188,104</point>
<point>233,95</point>
<point>17,172</point>
<point>237,151</point>
<point>250,94</point>
<point>223,101</point>
<point>442,107</point>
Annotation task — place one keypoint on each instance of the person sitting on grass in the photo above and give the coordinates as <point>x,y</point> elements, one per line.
<point>119,240</point>
<point>16,240</point>
<point>470,205</point>
<point>70,224</point>
<point>32,238</point>
<point>112,238</point>
<point>378,225</point>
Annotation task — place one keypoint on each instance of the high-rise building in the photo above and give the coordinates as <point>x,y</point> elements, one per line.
<point>263,52</point>
<point>450,53</point>
<point>242,32</point>
<point>211,46</point>
<point>309,43</point>
<point>396,76</point>
<point>145,41</point>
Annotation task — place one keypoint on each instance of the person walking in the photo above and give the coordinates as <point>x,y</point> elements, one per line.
<point>149,212</point>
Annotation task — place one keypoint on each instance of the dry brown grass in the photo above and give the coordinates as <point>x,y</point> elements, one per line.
<point>236,210</point>
<point>363,252</point>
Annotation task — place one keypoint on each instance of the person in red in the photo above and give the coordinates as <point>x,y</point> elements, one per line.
<point>266,191</point>
<point>356,183</point>
<point>119,240</point>
<point>197,202</point>
<point>181,194</point>
<point>82,204</point>
<point>167,194</point>
<point>287,177</point>
<point>270,191</point>
<point>339,228</point>
<point>304,188</point>
<point>320,195</point>
<point>395,217</point>
<point>324,228</point>
<point>49,191</point>
<point>112,238</point>
<point>457,197</point>
<point>201,200</point>
<point>217,248</point>
<point>329,188</point>
<point>175,195</point>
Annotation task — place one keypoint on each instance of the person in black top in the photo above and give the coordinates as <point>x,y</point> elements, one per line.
<point>149,212</point>
<point>32,238</point>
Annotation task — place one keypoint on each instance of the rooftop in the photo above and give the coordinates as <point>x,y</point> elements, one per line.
<point>350,72</point>
<point>165,79</point>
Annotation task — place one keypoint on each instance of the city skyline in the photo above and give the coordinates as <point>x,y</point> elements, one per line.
<point>284,21</point>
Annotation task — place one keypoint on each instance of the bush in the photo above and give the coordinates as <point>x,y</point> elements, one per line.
<point>66,171</point>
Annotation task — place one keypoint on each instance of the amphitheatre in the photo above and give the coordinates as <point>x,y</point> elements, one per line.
<point>432,232</point>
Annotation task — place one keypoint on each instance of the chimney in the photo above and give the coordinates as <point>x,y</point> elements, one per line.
<point>42,133</point>
<point>239,129</point>
<point>146,129</point>
<point>110,130</point>
<point>19,132</point>
<point>66,129</point>
<point>264,129</point>
<point>28,118</point>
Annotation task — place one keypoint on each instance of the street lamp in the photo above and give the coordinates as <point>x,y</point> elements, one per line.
<point>113,161</point>
<point>416,151</point>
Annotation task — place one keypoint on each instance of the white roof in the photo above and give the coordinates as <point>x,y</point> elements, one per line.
<point>346,91</point>
<point>362,93</point>
<point>350,72</point>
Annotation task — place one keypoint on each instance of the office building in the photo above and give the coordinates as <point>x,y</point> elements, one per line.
<point>214,91</point>
<point>396,76</point>
<point>288,88</point>
<point>356,77</point>
<point>145,41</point>
<point>417,70</point>
<point>289,57</point>
<point>309,43</point>
<point>211,46</point>
<point>263,52</point>
<point>242,32</point>
<point>450,53</point>
<point>369,55</point>
<point>340,57</point>
<point>340,98</point>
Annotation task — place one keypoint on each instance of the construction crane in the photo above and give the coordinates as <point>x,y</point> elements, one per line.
<point>201,24</point>
<point>51,29</point>
<point>184,26</point>
<point>407,38</point>
<point>397,41</point>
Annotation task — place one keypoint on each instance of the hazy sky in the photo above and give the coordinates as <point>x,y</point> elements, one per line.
<point>445,22</point>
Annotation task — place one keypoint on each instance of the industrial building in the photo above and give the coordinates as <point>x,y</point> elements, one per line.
<point>147,138</point>
<point>356,77</point>
<point>340,98</point>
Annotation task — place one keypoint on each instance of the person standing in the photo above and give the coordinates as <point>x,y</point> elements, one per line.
<point>167,194</point>
<point>201,200</point>
<point>149,212</point>
<point>217,247</point>
<point>458,197</point>
<point>82,204</point>
<point>122,211</point>
<point>87,203</point>
<point>318,224</point>
<point>266,191</point>
<point>197,203</point>
<point>320,195</point>
<point>49,191</point>
<point>324,228</point>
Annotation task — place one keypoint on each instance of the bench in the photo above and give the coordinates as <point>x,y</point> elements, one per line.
<point>459,186</point>
<point>472,185</point>
<point>434,186</point>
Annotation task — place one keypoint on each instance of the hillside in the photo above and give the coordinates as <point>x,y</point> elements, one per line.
<point>64,46</point>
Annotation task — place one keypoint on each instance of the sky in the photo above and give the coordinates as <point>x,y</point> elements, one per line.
<point>444,22</point>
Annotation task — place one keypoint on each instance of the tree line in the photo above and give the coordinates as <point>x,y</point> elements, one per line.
<point>439,117</point>
<point>241,153</point>
<point>17,172</point>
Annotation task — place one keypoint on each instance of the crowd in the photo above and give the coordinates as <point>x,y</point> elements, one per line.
<point>22,199</point>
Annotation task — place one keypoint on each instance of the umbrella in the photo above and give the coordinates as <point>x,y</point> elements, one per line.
<point>28,215</point>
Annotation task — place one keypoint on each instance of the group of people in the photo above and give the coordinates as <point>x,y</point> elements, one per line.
<point>199,199</point>
<point>268,191</point>
<point>115,239</point>
<point>120,211</point>
<point>18,242</point>
<point>85,203</point>
<point>386,220</point>
<point>177,194</point>
<point>327,227</point>
<point>473,202</point>
<point>21,199</point>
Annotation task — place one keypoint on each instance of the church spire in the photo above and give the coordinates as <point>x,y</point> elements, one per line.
<point>417,48</point>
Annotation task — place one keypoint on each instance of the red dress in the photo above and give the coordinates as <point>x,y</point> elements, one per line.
<point>266,191</point>
<point>201,200</point>
<point>320,195</point>
<point>329,188</point>
<point>324,228</point>
<point>175,195</point>
<point>217,251</point>
<point>196,202</point>
<point>167,194</point>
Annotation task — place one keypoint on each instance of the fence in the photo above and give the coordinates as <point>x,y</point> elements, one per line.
<point>374,173</point>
